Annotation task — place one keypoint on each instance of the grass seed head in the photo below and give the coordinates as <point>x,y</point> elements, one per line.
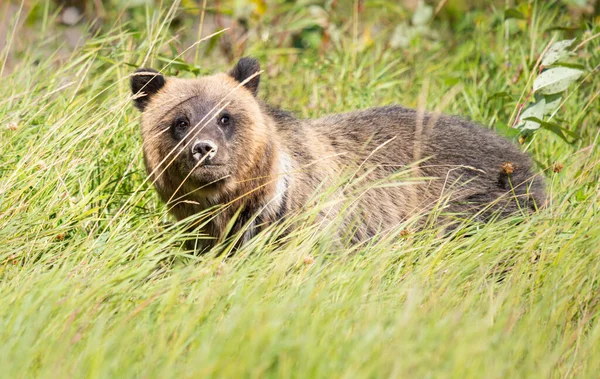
<point>508,168</point>
<point>557,167</point>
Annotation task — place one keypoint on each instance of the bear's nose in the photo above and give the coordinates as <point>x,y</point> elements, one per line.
<point>204,149</point>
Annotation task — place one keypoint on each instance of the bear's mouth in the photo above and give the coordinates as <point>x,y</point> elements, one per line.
<point>206,162</point>
<point>209,171</point>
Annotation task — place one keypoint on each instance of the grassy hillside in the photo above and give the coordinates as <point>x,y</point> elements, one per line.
<point>93,281</point>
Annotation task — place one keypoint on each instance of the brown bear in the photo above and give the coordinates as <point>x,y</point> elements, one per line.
<point>210,141</point>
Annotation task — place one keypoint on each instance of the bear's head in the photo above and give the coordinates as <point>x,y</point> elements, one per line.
<point>204,134</point>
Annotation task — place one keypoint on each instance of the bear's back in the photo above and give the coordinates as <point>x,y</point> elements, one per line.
<point>453,154</point>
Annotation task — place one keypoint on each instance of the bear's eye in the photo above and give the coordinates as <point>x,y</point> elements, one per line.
<point>224,119</point>
<point>181,123</point>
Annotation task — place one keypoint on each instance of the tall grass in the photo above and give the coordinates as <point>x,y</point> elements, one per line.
<point>93,281</point>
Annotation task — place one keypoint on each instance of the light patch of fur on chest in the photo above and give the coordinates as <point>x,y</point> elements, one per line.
<point>274,206</point>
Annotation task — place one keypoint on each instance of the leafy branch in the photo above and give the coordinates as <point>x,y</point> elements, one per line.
<point>554,76</point>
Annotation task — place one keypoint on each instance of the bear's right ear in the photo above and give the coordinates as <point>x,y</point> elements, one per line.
<point>145,82</point>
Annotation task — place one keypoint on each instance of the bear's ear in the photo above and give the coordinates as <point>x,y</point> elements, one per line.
<point>145,82</point>
<point>245,68</point>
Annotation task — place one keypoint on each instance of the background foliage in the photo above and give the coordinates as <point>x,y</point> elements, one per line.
<point>92,279</point>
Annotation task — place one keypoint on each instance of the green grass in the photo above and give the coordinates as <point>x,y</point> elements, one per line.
<point>93,281</point>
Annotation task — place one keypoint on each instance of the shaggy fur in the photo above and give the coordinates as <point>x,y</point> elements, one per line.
<point>269,163</point>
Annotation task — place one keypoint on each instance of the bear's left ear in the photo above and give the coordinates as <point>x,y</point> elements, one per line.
<point>245,68</point>
<point>145,82</point>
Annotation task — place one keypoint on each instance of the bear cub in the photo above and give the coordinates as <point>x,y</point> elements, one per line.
<point>211,142</point>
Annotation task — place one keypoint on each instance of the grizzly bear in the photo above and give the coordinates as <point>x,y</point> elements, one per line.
<point>211,141</point>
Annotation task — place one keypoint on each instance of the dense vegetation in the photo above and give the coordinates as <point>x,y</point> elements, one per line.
<point>93,280</point>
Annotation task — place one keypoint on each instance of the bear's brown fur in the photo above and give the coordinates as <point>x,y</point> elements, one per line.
<point>210,141</point>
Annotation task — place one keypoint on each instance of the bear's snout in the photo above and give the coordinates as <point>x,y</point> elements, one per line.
<point>204,150</point>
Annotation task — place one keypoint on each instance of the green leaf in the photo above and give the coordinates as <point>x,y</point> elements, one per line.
<point>533,111</point>
<point>552,102</point>
<point>557,51</point>
<point>563,28</point>
<point>174,51</point>
<point>106,59</point>
<point>178,64</point>
<point>513,13</point>
<point>556,129</point>
<point>555,80</point>
<point>570,65</point>
<point>505,130</point>
<point>451,81</point>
